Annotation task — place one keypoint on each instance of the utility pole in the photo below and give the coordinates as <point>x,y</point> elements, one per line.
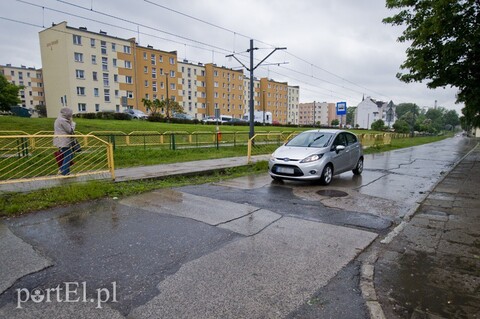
<point>168,102</point>
<point>251,69</point>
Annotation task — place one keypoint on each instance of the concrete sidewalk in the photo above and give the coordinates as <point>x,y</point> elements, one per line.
<point>183,168</point>
<point>432,268</point>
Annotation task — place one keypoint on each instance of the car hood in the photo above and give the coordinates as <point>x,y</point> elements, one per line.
<point>297,153</point>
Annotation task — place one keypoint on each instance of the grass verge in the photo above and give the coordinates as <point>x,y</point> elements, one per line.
<point>405,142</point>
<point>14,204</point>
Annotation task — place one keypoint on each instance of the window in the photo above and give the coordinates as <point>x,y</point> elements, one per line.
<point>145,69</point>
<point>97,107</point>
<point>103,46</point>
<point>115,78</point>
<point>172,61</point>
<point>162,86</point>
<point>95,92</point>
<point>146,83</point>
<point>161,71</point>
<point>152,58</point>
<point>105,79</point>
<point>78,57</point>
<point>12,73</point>
<point>106,94</point>
<point>104,64</point>
<point>128,64</point>
<point>117,93</point>
<point>215,95</point>
<point>128,79</point>
<point>130,94</point>
<point>114,47</point>
<point>154,86</point>
<point>160,58</point>
<point>144,55</point>
<point>94,75</point>
<point>80,74</point>
<point>126,49</point>
<point>77,39</point>
<point>92,43</point>
<point>154,73</point>
<point>80,90</point>
<point>114,62</point>
<point>173,86</point>
<point>215,84</point>
<point>82,107</point>
<point>94,59</point>
<point>172,74</point>
<point>215,73</point>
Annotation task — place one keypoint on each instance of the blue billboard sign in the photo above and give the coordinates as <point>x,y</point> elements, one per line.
<point>341,108</point>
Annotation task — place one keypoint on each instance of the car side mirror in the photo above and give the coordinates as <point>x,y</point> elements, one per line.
<point>339,148</point>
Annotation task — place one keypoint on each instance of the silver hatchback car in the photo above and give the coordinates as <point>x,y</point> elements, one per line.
<point>317,155</point>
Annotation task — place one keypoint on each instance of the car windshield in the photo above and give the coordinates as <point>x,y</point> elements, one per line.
<point>311,139</point>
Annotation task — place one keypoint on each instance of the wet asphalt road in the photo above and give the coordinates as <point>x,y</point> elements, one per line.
<point>248,247</point>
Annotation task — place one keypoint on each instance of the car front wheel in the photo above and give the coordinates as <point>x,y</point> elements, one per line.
<point>359,167</point>
<point>327,175</point>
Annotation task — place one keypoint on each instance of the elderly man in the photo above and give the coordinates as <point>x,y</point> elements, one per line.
<point>64,126</point>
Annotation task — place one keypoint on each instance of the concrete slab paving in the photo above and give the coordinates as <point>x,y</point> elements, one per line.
<point>264,276</point>
<point>207,210</point>
<point>247,182</point>
<point>18,259</point>
<point>253,223</point>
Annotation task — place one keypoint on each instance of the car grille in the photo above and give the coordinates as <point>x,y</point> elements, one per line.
<point>276,169</point>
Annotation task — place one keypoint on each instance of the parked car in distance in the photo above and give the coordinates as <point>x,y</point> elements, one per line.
<point>317,155</point>
<point>209,119</point>
<point>136,114</point>
<point>182,116</point>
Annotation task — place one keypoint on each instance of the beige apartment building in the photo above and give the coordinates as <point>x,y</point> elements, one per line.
<point>274,98</point>
<point>30,78</point>
<point>157,76</point>
<point>256,95</point>
<point>293,104</point>
<point>224,91</point>
<point>322,114</point>
<point>86,71</point>
<point>192,77</point>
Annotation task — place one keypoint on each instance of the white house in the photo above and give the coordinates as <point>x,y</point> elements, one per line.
<point>369,111</point>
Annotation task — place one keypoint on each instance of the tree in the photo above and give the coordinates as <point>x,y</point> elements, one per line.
<point>378,125</point>
<point>401,126</point>
<point>335,122</point>
<point>41,110</point>
<point>165,106</point>
<point>8,94</point>
<point>350,118</point>
<point>403,108</point>
<point>445,46</point>
<point>451,118</point>
<point>147,104</point>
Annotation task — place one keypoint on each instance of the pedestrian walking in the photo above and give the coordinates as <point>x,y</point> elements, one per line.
<point>64,126</point>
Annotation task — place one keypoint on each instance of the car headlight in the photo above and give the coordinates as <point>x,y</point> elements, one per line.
<point>272,156</point>
<point>311,158</point>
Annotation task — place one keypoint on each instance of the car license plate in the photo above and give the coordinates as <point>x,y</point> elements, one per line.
<point>285,170</point>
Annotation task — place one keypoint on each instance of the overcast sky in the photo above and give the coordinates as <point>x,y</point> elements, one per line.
<point>337,50</point>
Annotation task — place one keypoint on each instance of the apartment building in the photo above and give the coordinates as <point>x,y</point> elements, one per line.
<point>192,77</point>
<point>31,79</point>
<point>157,74</point>
<point>320,113</point>
<point>293,102</point>
<point>274,98</point>
<point>86,71</point>
<point>256,95</point>
<point>224,91</point>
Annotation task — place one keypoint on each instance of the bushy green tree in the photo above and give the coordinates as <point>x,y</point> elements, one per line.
<point>8,94</point>
<point>378,125</point>
<point>401,126</point>
<point>445,46</point>
<point>335,122</point>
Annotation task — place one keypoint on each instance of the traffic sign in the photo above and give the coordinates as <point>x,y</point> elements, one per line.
<point>341,108</point>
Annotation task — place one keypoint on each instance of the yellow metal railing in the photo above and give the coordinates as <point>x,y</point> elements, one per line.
<point>35,158</point>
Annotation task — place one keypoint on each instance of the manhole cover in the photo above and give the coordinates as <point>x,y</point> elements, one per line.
<point>331,193</point>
